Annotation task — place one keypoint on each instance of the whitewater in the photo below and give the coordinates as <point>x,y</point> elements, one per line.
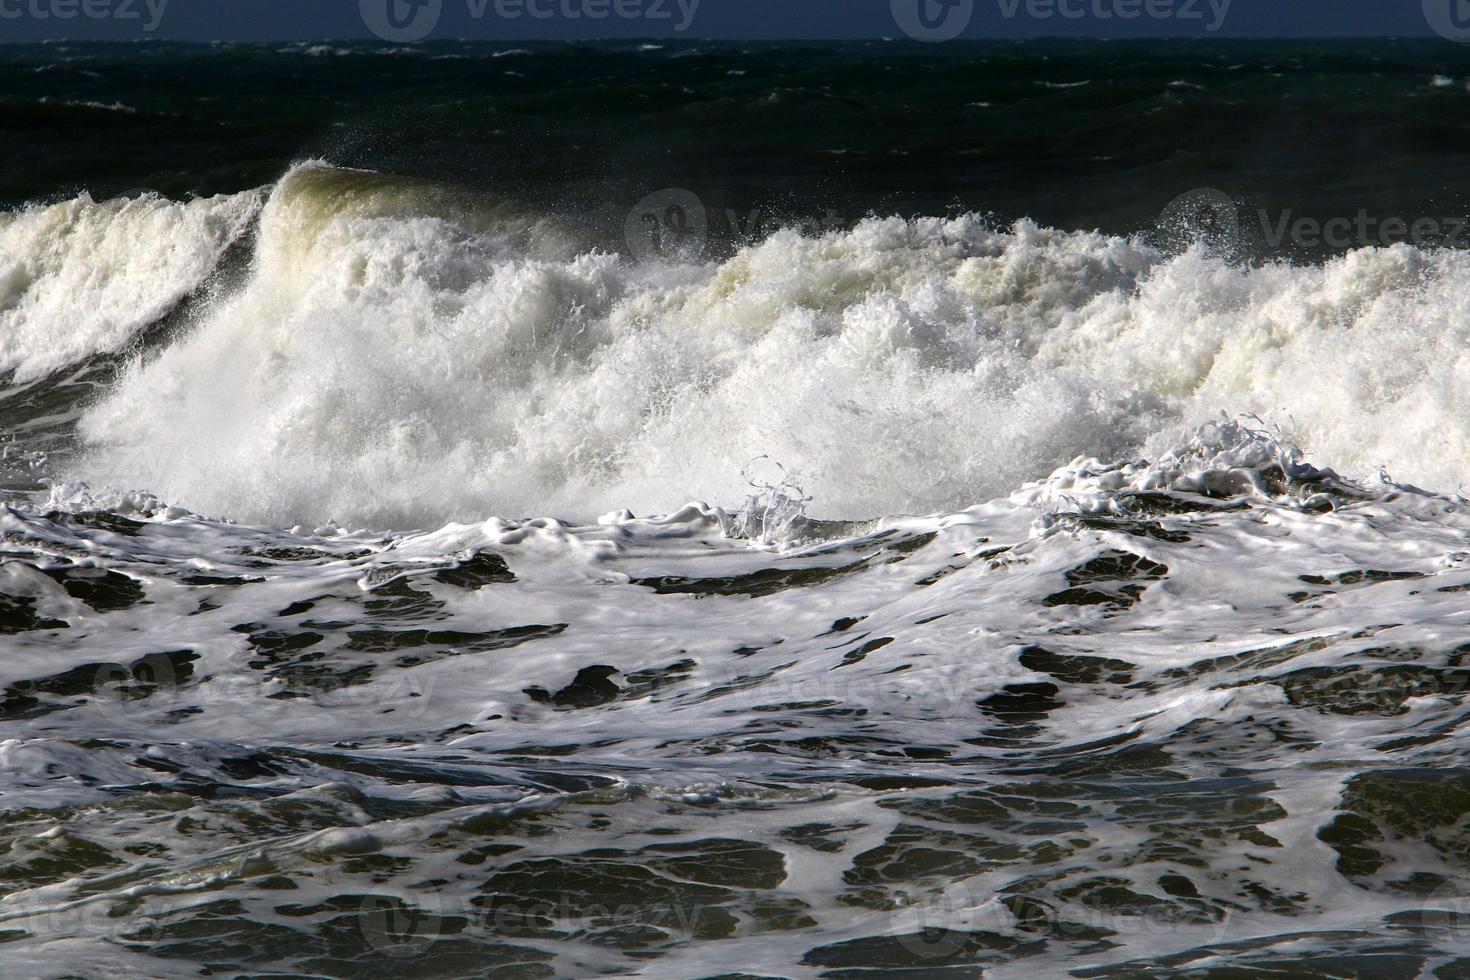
<point>399,358</point>
<point>396,575</point>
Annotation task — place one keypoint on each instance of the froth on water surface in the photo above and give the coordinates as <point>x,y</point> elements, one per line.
<point>396,355</point>
<point>1151,717</point>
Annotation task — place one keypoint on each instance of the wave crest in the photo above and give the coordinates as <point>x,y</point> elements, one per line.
<point>82,277</point>
<point>395,361</point>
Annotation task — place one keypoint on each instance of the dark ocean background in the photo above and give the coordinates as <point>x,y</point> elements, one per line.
<point>1074,134</point>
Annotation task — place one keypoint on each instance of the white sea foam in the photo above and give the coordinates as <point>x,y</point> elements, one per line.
<point>80,277</point>
<point>1068,689</point>
<point>389,367</point>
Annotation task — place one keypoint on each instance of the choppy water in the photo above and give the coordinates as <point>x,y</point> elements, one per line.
<point>1054,601</point>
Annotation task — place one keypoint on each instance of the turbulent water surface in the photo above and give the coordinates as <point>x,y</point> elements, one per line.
<point>406,572</point>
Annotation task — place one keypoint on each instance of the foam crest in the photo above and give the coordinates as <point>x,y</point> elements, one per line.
<point>399,360</point>
<point>1222,460</point>
<point>82,277</point>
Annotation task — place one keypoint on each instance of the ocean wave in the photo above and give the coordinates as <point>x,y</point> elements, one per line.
<point>399,357</point>
<point>82,277</point>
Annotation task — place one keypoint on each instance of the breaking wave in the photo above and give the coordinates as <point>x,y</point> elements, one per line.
<point>402,356</point>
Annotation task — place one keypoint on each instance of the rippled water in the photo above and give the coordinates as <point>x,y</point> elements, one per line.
<point>1193,716</point>
<point>356,620</point>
